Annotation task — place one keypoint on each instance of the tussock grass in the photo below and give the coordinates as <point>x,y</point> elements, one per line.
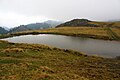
<point>41,62</point>
<point>9,50</point>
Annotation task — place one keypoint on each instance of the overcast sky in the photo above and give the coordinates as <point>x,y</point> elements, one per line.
<point>16,12</point>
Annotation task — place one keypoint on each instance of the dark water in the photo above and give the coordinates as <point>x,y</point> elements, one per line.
<point>89,46</point>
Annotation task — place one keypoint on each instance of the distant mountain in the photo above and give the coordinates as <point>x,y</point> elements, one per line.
<point>114,20</point>
<point>35,26</point>
<point>78,22</point>
<point>6,28</point>
<point>53,23</point>
<point>2,30</point>
<point>19,28</point>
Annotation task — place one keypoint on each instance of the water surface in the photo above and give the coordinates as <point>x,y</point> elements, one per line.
<point>89,46</point>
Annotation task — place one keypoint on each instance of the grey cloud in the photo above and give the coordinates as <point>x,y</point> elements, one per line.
<point>64,9</point>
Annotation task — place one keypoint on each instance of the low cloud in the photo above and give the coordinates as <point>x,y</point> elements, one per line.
<point>14,12</point>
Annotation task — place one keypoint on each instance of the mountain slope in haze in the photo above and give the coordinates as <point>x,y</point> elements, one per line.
<point>53,23</point>
<point>2,30</point>
<point>114,20</point>
<point>6,28</point>
<point>35,26</point>
<point>19,28</point>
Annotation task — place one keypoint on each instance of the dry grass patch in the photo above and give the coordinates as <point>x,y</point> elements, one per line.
<point>9,50</point>
<point>116,30</point>
<point>78,30</point>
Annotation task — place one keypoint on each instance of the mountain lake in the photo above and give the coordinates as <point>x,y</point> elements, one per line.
<point>89,46</point>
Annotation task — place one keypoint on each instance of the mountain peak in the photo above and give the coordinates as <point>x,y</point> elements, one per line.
<point>78,22</point>
<point>81,20</point>
<point>2,30</point>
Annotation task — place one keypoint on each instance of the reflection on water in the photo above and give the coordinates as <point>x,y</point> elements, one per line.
<point>89,46</point>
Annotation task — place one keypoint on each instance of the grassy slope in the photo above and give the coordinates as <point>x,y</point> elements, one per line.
<point>117,31</point>
<point>98,33</point>
<point>112,34</point>
<point>115,24</point>
<point>90,32</point>
<point>40,62</point>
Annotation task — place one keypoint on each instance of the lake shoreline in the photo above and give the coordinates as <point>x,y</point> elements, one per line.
<point>111,34</point>
<point>73,35</point>
<point>87,45</point>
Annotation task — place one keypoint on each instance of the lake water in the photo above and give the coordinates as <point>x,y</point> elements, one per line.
<point>89,46</point>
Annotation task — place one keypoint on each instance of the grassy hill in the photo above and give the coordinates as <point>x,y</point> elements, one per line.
<point>40,62</point>
<point>88,23</point>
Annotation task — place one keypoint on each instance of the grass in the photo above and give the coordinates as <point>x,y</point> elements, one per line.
<point>115,24</point>
<point>116,30</point>
<point>112,35</point>
<point>40,62</point>
<point>88,32</point>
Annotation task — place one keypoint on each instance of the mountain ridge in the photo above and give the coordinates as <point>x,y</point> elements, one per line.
<point>78,22</point>
<point>35,26</point>
<point>2,30</point>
